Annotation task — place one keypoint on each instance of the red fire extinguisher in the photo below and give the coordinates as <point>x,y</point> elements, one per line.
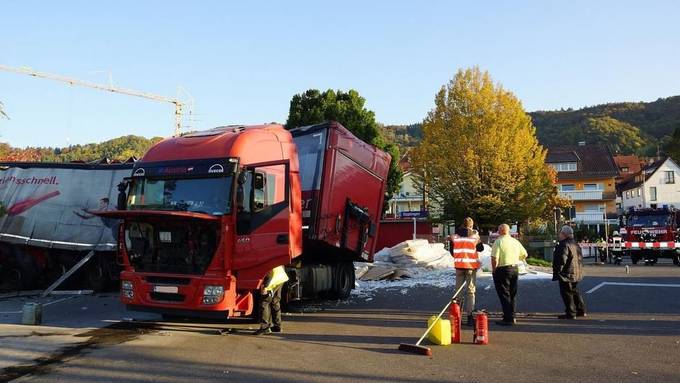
<point>481,334</point>
<point>454,316</point>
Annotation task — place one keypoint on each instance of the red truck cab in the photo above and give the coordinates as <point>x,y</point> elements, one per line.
<point>209,214</point>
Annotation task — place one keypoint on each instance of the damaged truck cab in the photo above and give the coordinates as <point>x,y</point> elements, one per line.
<point>208,214</point>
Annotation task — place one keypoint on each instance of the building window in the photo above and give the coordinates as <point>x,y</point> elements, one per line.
<point>639,192</point>
<point>568,187</point>
<point>564,166</point>
<point>627,194</point>
<point>652,193</point>
<point>592,187</point>
<point>593,207</point>
<point>624,169</point>
<point>669,177</point>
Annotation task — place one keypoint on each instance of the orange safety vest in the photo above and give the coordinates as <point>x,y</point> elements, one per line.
<point>465,253</point>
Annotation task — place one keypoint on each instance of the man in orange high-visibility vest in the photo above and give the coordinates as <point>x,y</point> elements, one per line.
<point>466,261</point>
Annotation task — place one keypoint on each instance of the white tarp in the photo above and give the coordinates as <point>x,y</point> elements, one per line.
<point>420,253</point>
<point>50,206</point>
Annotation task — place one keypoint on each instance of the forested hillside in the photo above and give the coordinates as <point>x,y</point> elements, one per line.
<point>405,136</point>
<point>120,148</point>
<point>628,127</point>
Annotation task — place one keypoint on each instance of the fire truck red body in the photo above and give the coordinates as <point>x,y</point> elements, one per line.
<point>210,213</point>
<point>650,234</point>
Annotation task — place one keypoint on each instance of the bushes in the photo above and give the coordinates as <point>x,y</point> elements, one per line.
<point>538,262</point>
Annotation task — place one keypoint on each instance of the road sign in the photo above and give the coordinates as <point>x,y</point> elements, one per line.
<point>413,214</point>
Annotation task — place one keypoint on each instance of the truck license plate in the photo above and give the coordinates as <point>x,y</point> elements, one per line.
<point>166,289</point>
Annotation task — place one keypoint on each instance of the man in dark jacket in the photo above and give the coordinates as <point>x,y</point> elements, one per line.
<point>568,271</point>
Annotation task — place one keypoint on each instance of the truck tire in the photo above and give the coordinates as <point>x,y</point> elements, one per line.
<point>635,259</point>
<point>676,260</point>
<point>343,281</point>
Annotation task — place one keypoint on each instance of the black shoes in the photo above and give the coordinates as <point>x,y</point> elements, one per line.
<point>581,314</point>
<point>506,322</point>
<point>565,316</point>
<point>263,331</point>
<point>276,328</point>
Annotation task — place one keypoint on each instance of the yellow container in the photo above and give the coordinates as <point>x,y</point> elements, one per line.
<point>441,331</point>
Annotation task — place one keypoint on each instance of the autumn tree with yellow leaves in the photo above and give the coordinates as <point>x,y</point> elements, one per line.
<point>479,155</point>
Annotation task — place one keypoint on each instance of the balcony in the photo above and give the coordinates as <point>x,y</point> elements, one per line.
<point>593,217</point>
<point>588,195</point>
<point>589,217</point>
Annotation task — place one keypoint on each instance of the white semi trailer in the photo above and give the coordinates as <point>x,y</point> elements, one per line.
<point>46,225</point>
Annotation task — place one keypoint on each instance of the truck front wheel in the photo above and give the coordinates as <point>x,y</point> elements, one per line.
<point>635,259</point>
<point>343,281</point>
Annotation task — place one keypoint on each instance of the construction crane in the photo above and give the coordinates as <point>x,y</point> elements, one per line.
<point>178,104</point>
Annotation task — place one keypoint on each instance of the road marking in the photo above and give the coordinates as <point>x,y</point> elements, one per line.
<point>631,284</point>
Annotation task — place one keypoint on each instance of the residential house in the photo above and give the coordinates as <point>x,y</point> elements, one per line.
<point>409,198</point>
<point>586,174</point>
<point>653,186</point>
<point>628,166</point>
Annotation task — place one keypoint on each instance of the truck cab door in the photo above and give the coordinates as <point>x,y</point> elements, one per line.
<point>262,220</point>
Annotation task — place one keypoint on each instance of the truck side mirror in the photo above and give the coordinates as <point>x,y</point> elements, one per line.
<point>242,177</point>
<point>258,181</point>
<point>239,197</point>
<point>258,192</point>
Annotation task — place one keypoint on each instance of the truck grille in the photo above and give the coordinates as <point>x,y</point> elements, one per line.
<point>171,246</point>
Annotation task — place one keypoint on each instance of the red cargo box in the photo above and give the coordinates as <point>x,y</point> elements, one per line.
<point>343,187</point>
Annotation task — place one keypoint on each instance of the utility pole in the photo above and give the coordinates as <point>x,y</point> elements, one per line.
<point>606,231</point>
<point>178,104</point>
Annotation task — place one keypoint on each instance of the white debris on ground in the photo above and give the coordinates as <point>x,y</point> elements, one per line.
<point>417,262</point>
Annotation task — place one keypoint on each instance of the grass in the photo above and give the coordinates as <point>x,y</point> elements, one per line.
<point>538,262</point>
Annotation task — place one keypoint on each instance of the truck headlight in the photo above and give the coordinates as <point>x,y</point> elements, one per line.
<point>212,294</point>
<point>127,289</point>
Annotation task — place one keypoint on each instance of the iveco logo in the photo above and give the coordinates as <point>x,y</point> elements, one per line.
<point>217,168</point>
<point>139,173</point>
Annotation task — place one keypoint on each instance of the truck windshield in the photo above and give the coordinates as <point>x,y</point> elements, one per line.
<point>198,195</point>
<point>649,220</point>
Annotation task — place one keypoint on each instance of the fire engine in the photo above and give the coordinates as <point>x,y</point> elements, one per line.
<point>650,234</point>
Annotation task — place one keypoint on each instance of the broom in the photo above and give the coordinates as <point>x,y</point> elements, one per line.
<point>423,350</point>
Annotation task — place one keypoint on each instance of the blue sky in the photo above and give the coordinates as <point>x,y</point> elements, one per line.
<point>242,62</point>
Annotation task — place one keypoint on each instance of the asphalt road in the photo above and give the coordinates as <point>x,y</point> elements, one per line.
<point>632,334</point>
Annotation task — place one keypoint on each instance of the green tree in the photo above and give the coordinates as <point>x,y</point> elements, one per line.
<point>347,108</point>
<point>480,157</point>
<point>621,136</point>
<point>120,148</point>
<point>672,148</point>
